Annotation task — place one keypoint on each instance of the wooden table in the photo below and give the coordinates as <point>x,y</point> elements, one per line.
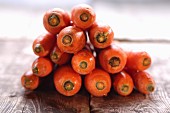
<point>16,57</point>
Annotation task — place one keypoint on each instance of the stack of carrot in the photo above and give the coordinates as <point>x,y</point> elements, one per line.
<point>82,47</point>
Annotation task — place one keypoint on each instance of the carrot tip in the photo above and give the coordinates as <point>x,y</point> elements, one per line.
<point>100,85</point>
<point>68,86</point>
<point>38,48</point>
<point>146,61</point>
<point>67,40</point>
<point>114,62</point>
<point>83,65</point>
<point>125,88</point>
<point>150,88</point>
<point>101,37</point>
<point>35,70</point>
<point>53,20</point>
<point>84,17</point>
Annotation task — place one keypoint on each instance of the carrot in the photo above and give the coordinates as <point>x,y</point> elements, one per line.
<point>71,39</point>
<point>83,16</point>
<point>138,60</point>
<point>101,35</point>
<point>143,81</point>
<point>42,67</point>
<point>59,57</point>
<point>98,83</point>
<point>43,44</point>
<point>56,19</point>
<point>112,59</point>
<point>29,80</point>
<point>83,62</point>
<point>67,81</point>
<point>123,83</point>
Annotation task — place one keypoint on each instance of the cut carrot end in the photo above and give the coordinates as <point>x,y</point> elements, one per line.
<point>114,62</point>
<point>146,61</point>
<point>84,17</point>
<point>35,70</point>
<point>54,56</point>
<point>38,48</point>
<point>100,85</point>
<point>68,86</point>
<point>83,65</point>
<point>27,82</point>
<point>150,88</point>
<point>53,20</point>
<point>67,40</point>
<point>125,88</point>
<point>101,37</point>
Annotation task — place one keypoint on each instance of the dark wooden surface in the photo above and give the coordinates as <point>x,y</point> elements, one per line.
<point>17,56</point>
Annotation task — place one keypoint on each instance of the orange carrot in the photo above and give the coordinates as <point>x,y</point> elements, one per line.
<point>138,60</point>
<point>98,83</point>
<point>83,62</point>
<point>29,80</point>
<point>67,81</point>
<point>43,44</point>
<point>101,35</point>
<point>83,16</point>
<point>143,81</point>
<point>112,59</point>
<point>42,67</point>
<point>56,19</point>
<point>59,57</point>
<point>71,39</point>
<point>123,83</point>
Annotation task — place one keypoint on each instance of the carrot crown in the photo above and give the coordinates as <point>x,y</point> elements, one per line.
<point>53,20</point>
<point>54,56</point>
<point>68,86</point>
<point>150,88</point>
<point>124,88</point>
<point>100,85</point>
<point>38,48</point>
<point>27,82</point>
<point>83,64</point>
<point>114,62</point>
<point>67,40</point>
<point>35,70</point>
<point>146,61</point>
<point>101,37</point>
<point>84,17</point>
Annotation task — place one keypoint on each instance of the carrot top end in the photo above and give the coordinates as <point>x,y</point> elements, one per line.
<point>100,85</point>
<point>84,17</point>
<point>68,86</point>
<point>67,40</point>
<point>114,62</point>
<point>53,20</point>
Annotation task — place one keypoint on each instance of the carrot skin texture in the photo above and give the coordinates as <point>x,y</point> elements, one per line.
<point>71,39</point>
<point>123,83</point>
<point>83,16</point>
<point>101,35</point>
<point>67,81</point>
<point>42,66</point>
<point>138,60</point>
<point>56,19</point>
<point>30,81</point>
<point>83,62</point>
<point>43,44</point>
<point>98,83</point>
<point>112,59</point>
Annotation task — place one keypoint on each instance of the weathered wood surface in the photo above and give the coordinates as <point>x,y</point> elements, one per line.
<point>17,56</point>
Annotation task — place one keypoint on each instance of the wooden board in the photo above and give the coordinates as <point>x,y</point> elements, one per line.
<point>17,56</point>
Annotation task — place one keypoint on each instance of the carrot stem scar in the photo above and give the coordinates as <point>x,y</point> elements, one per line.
<point>35,70</point>
<point>54,56</point>
<point>100,85</point>
<point>146,61</point>
<point>27,82</point>
<point>114,62</point>
<point>83,65</point>
<point>38,48</point>
<point>101,37</point>
<point>84,17</point>
<point>125,88</point>
<point>68,86</point>
<point>67,40</point>
<point>150,88</point>
<point>53,20</point>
